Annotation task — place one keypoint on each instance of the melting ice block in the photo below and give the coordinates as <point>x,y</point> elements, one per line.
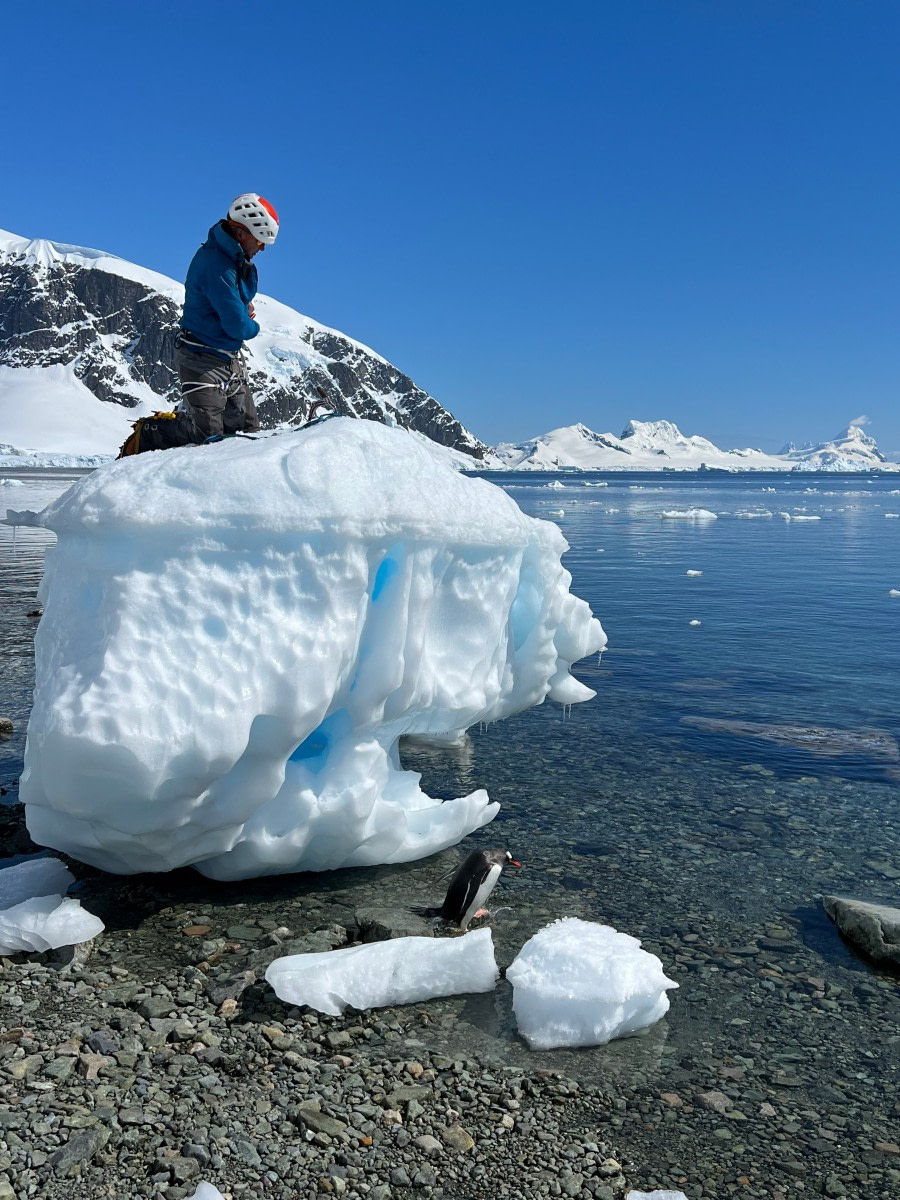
<point>400,971</point>
<point>207,1191</point>
<point>235,638</point>
<point>656,1196</point>
<point>577,983</point>
<point>34,916</point>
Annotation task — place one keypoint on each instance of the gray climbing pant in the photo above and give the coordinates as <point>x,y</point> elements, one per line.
<point>216,391</point>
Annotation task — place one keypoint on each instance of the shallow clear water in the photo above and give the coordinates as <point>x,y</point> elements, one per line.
<point>727,774</point>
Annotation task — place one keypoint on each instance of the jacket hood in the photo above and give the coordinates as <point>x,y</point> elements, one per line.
<point>226,243</point>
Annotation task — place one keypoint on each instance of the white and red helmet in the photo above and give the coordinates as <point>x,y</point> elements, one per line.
<point>255,214</point>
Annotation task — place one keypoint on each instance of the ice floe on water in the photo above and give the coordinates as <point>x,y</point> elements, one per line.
<point>749,515</point>
<point>694,622</point>
<point>35,914</point>
<point>401,971</point>
<point>578,983</point>
<point>800,516</point>
<point>693,574</point>
<point>235,638</point>
<point>689,514</point>
<point>894,592</point>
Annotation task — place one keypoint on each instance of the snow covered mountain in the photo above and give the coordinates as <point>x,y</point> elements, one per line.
<point>86,347</point>
<point>660,446</point>
<point>851,450</point>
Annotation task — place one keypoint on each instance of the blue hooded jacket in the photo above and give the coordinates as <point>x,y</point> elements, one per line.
<point>221,282</point>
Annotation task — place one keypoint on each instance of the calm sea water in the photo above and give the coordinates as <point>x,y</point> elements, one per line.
<point>740,759</point>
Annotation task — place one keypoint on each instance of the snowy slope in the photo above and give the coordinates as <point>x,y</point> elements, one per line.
<point>49,410</point>
<point>851,450</point>
<point>660,445</point>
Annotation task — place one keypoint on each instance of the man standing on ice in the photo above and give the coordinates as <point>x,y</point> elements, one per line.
<point>219,316</point>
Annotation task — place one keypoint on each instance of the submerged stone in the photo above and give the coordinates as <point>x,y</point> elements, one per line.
<point>873,928</point>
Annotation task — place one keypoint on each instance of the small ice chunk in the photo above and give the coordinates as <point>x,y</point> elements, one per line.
<point>695,622</point>
<point>34,877</point>
<point>656,1196</point>
<point>400,971</point>
<point>693,573</point>
<point>206,1191</point>
<point>578,983</point>
<point>11,483</point>
<point>34,916</point>
<point>689,514</point>
<point>890,515</point>
<point>25,517</point>
<point>894,592</point>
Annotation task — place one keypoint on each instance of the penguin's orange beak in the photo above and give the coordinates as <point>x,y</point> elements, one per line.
<point>513,863</point>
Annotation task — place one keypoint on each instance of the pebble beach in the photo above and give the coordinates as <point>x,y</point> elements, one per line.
<point>156,1056</point>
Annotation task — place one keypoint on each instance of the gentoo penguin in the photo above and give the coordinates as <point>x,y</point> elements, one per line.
<point>470,887</point>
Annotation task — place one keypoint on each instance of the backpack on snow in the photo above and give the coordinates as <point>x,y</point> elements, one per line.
<point>159,431</point>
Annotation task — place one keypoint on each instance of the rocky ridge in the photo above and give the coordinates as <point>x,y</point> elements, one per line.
<point>114,323</point>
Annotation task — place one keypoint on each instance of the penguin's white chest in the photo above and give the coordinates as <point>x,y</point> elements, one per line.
<point>477,893</point>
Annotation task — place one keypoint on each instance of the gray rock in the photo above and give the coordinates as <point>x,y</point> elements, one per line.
<point>874,928</point>
<point>231,988</point>
<point>458,1139</point>
<point>102,1043</point>
<point>157,1006</point>
<point>244,1149</point>
<point>320,1122</point>
<point>195,1151</point>
<point>382,924</point>
<point>79,1148</point>
<point>429,1144</point>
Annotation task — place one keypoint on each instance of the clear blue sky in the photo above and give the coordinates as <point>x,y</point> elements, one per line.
<point>579,211</point>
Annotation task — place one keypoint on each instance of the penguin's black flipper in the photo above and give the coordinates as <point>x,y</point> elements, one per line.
<point>424,912</point>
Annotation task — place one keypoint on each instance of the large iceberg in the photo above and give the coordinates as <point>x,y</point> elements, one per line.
<point>236,636</point>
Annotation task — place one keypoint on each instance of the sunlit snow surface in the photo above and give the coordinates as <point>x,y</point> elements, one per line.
<point>401,971</point>
<point>235,637</point>
<point>578,983</point>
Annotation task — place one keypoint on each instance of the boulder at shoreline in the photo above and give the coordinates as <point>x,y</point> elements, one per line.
<point>873,928</point>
